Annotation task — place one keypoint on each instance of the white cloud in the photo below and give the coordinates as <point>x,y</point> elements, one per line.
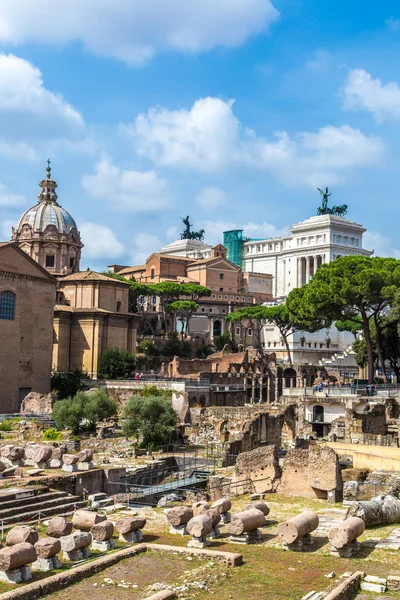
<point>131,191</point>
<point>214,230</point>
<point>362,92</point>
<point>134,30</point>
<point>208,137</point>
<point>210,198</point>
<point>9,199</point>
<point>22,90</point>
<point>100,241</point>
<point>18,150</point>
<point>33,119</point>
<point>381,244</point>
<point>144,245</point>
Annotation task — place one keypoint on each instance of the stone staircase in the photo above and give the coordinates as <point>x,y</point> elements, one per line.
<point>25,505</point>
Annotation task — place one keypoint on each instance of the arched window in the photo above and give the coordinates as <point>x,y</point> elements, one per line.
<point>7,305</point>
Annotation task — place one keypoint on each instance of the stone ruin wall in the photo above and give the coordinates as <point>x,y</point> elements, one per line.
<point>310,473</point>
<point>240,429</point>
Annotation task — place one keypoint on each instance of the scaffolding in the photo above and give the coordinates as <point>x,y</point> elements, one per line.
<point>233,242</point>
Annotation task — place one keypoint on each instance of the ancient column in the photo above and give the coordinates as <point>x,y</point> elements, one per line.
<point>260,383</point>
<point>308,263</point>
<point>253,390</point>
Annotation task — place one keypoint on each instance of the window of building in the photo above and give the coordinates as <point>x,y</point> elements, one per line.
<point>71,262</point>
<point>202,310</point>
<point>152,273</point>
<point>7,305</point>
<point>221,289</point>
<point>219,297</point>
<point>232,297</point>
<point>210,309</point>
<point>214,296</point>
<point>258,248</point>
<point>50,260</point>
<point>118,306</point>
<point>225,297</point>
<point>224,310</point>
<point>221,275</point>
<point>249,331</point>
<point>237,330</point>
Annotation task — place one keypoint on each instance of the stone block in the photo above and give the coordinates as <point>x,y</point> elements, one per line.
<point>131,537</point>
<point>85,466</point>
<point>75,555</point>
<point>104,546</point>
<point>69,468</point>
<point>21,534</point>
<point>225,518</point>
<point>179,530</point>
<point>372,587</point>
<point>46,564</point>
<point>251,537</point>
<point>215,533</point>
<point>393,583</point>
<point>55,463</point>
<point>14,576</point>
<point>198,542</point>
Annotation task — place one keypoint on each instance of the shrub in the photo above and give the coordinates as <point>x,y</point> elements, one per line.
<point>84,411</point>
<point>174,347</point>
<point>117,363</point>
<point>148,348</point>
<point>67,384</point>
<point>52,435</point>
<point>151,419</point>
<point>5,426</point>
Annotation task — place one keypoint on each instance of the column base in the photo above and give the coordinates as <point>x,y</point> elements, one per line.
<point>16,575</point>
<point>132,537</point>
<point>104,546</point>
<point>70,468</point>
<point>215,534</point>
<point>46,564</point>
<point>179,530</point>
<point>198,542</point>
<point>77,554</point>
<point>225,518</point>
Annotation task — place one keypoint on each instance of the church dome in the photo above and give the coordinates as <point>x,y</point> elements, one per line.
<point>47,211</point>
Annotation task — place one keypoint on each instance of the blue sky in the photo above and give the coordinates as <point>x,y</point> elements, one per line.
<point>234,111</point>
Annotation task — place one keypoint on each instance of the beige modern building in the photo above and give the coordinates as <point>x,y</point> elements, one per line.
<point>27,295</point>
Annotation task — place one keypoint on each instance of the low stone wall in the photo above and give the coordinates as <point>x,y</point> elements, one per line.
<point>346,589</point>
<point>54,583</point>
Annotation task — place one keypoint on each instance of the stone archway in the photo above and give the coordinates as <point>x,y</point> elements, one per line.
<point>217,327</point>
<point>289,377</point>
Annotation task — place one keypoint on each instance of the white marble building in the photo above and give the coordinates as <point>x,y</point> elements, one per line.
<point>189,248</point>
<point>293,259</point>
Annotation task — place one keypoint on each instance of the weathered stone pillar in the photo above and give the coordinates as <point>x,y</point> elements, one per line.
<point>308,263</point>
<point>269,390</point>
<point>260,383</point>
<point>253,390</point>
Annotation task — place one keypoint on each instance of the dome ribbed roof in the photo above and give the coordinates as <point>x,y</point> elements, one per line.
<point>47,211</point>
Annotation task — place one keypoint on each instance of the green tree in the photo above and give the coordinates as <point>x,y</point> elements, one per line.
<point>351,288</point>
<point>183,310</point>
<point>248,317</point>
<point>175,347</point>
<point>279,316</point>
<point>83,411</point>
<point>152,420</point>
<point>67,384</point>
<point>169,292</point>
<point>353,327</point>
<point>148,348</point>
<point>117,363</point>
<point>220,341</point>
